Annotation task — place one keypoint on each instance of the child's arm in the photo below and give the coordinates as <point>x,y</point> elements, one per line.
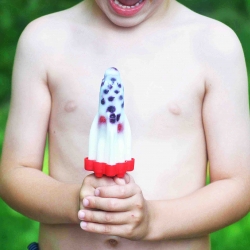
<point>227,130</point>
<point>22,184</point>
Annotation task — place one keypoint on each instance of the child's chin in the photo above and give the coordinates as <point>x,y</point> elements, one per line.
<point>126,22</point>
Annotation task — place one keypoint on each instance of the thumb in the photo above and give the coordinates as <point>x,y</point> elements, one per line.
<point>120,181</point>
<point>129,179</point>
<point>125,180</point>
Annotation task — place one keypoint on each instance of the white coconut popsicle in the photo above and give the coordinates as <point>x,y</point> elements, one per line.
<point>110,134</point>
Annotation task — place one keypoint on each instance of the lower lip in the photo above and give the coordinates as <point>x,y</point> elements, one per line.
<point>126,12</point>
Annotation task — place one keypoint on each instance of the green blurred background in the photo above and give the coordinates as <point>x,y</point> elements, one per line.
<point>16,231</point>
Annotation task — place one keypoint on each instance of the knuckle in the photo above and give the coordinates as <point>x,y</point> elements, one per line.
<point>90,216</point>
<point>96,228</point>
<point>139,205</point>
<point>129,231</point>
<point>108,217</point>
<point>139,202</point>
<point>93,202</point>
<point>91,227</point>
<point>111,204</point>
<point>107,229</point>
<point>122,191</point>
<point>136,217</point>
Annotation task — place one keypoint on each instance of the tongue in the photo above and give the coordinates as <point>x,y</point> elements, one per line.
<point>128,2</point>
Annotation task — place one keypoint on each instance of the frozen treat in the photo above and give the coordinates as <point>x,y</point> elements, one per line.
<point>110,134</point>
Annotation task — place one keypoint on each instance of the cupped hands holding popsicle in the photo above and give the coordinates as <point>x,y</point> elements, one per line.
<point>114,206</point>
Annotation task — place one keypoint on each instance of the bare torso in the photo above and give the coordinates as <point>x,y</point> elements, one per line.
<point>163,78</point>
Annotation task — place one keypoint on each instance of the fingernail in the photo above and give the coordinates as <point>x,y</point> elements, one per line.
<point>81,214</point>
<point>85,202</point>
<point>97,192</point>
<point>83,224</point>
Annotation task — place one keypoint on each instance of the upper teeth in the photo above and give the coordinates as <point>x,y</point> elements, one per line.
<point>126,6</point>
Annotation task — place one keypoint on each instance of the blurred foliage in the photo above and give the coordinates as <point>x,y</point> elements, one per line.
<point>16,231</point>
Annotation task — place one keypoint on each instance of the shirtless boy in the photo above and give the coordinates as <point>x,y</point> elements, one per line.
<point>186,100</point>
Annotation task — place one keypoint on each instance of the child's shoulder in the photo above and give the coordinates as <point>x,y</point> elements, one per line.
<point>211,40</point>
<point>208,32</point>
<point>52,30</point>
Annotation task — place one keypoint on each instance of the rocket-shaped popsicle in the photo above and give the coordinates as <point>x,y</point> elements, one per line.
<point>110,134</point>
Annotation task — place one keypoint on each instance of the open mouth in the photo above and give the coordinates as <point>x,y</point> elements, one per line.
<point>126,10</point>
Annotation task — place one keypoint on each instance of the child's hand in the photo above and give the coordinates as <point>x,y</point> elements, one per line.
<point>90,183</point>
<point>117,210</point>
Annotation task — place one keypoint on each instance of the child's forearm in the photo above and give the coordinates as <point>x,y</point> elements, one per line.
<point>40,197</point>
<point>206,210</point>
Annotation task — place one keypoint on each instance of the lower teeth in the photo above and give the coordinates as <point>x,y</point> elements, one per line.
<point>126,6</point>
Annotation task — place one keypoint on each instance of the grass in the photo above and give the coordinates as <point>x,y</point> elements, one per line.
<point>234,237</point>
<point>16,231</point>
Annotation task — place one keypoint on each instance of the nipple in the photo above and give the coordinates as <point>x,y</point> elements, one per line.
<point>174,109</point>
<point>70,106</point>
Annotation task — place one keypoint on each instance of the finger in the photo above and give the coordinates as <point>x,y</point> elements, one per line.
<point>129,178</point>
<point>95,182</point>
<point>108,204</point>
<point>125,180</point>
<point>91,182</point>
<point>119,181</point>
<point>117,191</point>
<point>116,230</point>
<point>101,217</point>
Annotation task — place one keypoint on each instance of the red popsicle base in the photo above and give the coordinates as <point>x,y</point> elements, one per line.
<point>101,169</point>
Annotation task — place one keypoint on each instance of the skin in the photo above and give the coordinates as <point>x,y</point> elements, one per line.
<point>186,100</point>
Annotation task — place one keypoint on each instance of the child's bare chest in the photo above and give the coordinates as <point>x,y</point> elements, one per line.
<point>164,84</point>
